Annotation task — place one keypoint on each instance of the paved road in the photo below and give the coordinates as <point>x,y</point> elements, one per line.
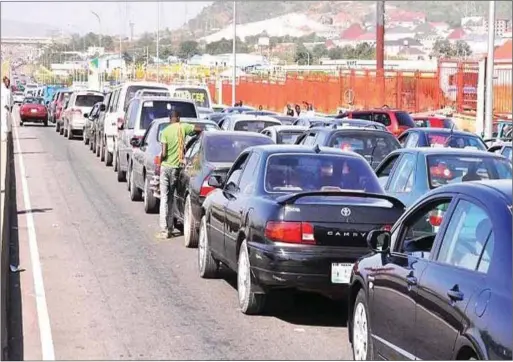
<point>115,292</point>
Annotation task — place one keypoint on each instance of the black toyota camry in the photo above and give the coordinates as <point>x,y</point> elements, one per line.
<point>292,217</point>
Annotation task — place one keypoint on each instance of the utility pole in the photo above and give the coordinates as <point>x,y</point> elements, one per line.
<point>380,48</point>
<point>158,41</point>
<point>488,129</point>
<point>234,75</point>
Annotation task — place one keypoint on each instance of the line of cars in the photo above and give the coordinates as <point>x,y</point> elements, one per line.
<point>341,207</point>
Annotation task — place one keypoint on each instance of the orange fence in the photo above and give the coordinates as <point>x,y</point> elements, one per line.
<point>454,84</point>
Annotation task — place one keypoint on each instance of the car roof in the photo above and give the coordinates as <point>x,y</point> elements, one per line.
<point>502,187</point>
<point>204,121</point>
<point>268,150</point>
<point>366,130</point>
<point>88,92</point>
<point>446,151</point>
<point>229,134</point>
<point>279,128</point>
<point>164,99</point>
<point>441,130</point>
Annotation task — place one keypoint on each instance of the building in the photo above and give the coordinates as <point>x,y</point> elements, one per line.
<point>403,18</point>
<point>412,53</point>
<point>501,26</point>
<point>399,32</point>
<point>456,34</point>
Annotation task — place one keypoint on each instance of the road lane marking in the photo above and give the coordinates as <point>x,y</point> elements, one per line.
<point>45,331</point>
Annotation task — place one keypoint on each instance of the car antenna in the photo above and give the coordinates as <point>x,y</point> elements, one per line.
<point>317,149</point>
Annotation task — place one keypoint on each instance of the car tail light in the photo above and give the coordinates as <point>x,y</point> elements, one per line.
<point>156,162</point>
<point>290,232</point>
<point>205,187</point>
<point>386,227</point>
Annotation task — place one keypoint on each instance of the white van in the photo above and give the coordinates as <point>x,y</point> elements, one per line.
<point>116,104</point>
<point>199,94</point>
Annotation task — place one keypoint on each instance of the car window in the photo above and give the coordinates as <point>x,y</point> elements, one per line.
<point>404,119</point>
<point>402,179</point>
<point>107,100</point>
<point>193,150</point>
<point>131,112</point>
<point>288,137</point>
<point>365,116</point>
<point>155,109</point>
<point>506,152</point>
<point>310,139</point>
<point>313,172</point>
<point>232,184</point>
<point>382,118</point>
<point>436,139</point>
<point>248,180</point>
<point>88,100</point>
<point>417,234</point>
<point>465,238</point>
<point>222,148</point>
<point>253,126</point>
<point>444,169</point>
<point>387,167</point>
<point>131,90</point>
<point>114,103</point>
<point>412,140</point>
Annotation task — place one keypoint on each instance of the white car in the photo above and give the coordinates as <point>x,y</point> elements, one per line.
<point>284,134</point>
<point>80,103</point>
<point>18,97</point>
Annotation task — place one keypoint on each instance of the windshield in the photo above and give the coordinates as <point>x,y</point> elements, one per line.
<point>455,141</point>
<point>161,109</point>
<point>203,126</point>
<point>88,100</point>
<point>253,125</point>
<point>32,100</point>
<point>130,92</point>
<point>288,137</point>
<point>198,95</point>
<point>404,119</point>
<point>444,169</point>
<point>221,148</point>
<point>373,147</point>
<point>308,172</point>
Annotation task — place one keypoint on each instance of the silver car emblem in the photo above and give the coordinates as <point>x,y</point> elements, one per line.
<point>345,212</point>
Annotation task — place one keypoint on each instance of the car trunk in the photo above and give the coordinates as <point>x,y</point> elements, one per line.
<point>343,220</point>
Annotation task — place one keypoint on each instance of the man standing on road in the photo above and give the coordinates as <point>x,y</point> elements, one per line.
<point>6,106</point>
<point>172,161</point>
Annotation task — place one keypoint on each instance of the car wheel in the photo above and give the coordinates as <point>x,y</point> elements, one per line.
<point>121,174</point>
<point>45,123</point>
<point>102,152</point>
<point>151,203</point>
<point>135,192</point>
<point>115,161</point>
<point>21,123</point>
<point>85,139</point>
<point>362,343</point>
<point>249,301</point>
<point>207,265</point>
<point>61,130</point>
<point>97,149</point>
<point>57,127</point>
<point>69,133</point>
<point>107,157</point>
<point>190,234</point>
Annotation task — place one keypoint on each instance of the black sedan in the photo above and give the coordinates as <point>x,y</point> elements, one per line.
<point>440,137</point>
<point>371,143</point>
<point>438,285</point>
<point>292,217</point>
<point>211,153</point>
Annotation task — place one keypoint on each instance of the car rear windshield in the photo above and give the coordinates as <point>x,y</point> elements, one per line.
<point>445,169</point>
<point>88,100</point>
<point>372,146</point>
<point>161,109</point>
<point>130,92</point>
<point>64,95</point>
<point>455,141</point>
<point>221,148</point>
<point>288,137</point>
<point>253,126</point>
<point>404,119</point>
<point>32,100</point>
<point>309,172</point>
<point>203,126</point>
<point>198,95</point>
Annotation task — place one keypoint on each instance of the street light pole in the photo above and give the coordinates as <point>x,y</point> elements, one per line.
<point>234,75</point>
<point>488,129</point>
<point>100,23</point>
<point>158,41</point>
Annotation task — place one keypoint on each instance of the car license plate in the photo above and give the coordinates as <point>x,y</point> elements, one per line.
<point>341,273</point>
<point>33,110</point>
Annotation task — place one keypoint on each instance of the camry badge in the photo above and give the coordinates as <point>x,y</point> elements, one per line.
<point>345,212</point>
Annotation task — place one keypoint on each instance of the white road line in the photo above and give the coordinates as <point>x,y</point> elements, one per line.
<point>45,330</point>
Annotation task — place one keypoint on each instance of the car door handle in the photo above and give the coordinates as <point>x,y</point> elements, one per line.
<point>411,280</point>
<point>455,295</point>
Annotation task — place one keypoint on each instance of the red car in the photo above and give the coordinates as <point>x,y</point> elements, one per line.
<point>396,121</point>
<point>434,122</point>
<point>33,109</point>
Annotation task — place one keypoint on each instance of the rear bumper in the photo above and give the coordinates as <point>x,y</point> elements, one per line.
<point>34,117</point>
<point>306,268</point>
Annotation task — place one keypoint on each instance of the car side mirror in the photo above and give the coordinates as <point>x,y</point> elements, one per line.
<point>135,142</point>
<point>379,241</point>
<point>102,107</point>
<point>215,181</point>
<point>86,115</point>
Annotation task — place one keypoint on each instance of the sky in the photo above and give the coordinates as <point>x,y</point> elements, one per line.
<point>74,16</point>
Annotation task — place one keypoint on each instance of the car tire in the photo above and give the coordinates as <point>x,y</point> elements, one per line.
<point>208,267</point>
<point>69,133</point>
<point>57,127</point>
<point>84,138</point>
<point>190,234</point>
<point>45,123</point>
<point>61,130</point>
<point>102,152</point>
<point>115,161</point>
<point>249,301</point>
<point>108,158</point>
<point>121,174</point>
<point>21,123</point>
<point>362,341</point>
<point>98,149</point>
<point>135,192</point>
<point>151,203</point>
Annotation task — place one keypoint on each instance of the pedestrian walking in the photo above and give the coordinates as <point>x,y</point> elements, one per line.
<point>172,162</point>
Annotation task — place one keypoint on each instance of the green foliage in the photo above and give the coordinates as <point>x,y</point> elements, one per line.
<point>444,48</point>
<point>303,56</point>
<point>188,49</point>
<point>361,51</point>
<point>224,46</point>
<point>320,51</point>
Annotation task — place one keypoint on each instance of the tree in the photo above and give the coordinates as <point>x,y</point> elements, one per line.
<point>188,48</point>
<point>336,53</point>
<point>319,51</point>
<point>444,48</point>
<point>462,49</point>
<point>224,46</point>
<point>303,55</point>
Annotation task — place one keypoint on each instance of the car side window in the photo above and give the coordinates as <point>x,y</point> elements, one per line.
<point>506,152</point>
<point>144,141</point>
<point>133,110</point>
<point>402,179</point>
<point>417,234</point>
<point>465,243</point>
<point>232,184</point>
<point>247,181</point>
<point>388,166</point>
<point>193,150</point>
<point>365,116</point>
<point>382,118</point>
<point>412,140</point>
<point>107,100</point>
<point>114,105</point>
<point>310,139</point>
